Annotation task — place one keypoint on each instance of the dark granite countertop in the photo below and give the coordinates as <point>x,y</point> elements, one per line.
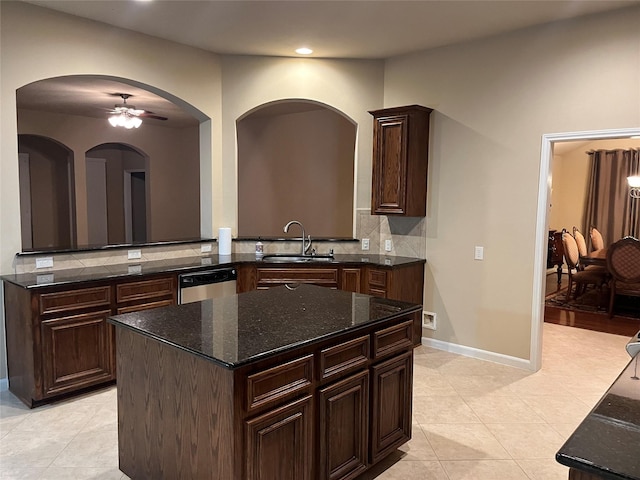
<point>180,265</point>
<point>607,442</point>
<point>240,329</point>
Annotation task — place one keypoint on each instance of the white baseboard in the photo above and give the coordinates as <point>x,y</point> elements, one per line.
<point>477,353</point>
<point>4,384</point>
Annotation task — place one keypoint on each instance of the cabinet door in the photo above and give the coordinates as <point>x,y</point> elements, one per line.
<point>351,280</point>
<point>390,404</point>
<point>389,165</point>
<point>279,443</point>
<point>344,428</point>
<point>76,352</point>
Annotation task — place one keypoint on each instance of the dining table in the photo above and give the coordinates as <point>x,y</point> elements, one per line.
<point>596,257</point>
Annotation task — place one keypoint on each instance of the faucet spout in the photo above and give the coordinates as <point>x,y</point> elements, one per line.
<point>306,241</point>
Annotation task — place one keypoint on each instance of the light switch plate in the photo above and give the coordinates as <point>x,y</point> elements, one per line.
<point>206,248</point>
<point>44,262</point>
<point>478,253</point>
<point>134,254</point>
<point>387,245</point>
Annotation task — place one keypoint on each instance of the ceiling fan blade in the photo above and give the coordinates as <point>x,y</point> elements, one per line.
<point>152,115</point>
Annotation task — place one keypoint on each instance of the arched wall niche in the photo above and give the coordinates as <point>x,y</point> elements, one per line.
<point>296,161</point>
<point>74,110</point>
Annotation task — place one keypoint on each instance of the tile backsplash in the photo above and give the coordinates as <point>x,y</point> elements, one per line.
<point>407,235</point>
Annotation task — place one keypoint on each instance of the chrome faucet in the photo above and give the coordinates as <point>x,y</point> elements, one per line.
<point>306,241</point>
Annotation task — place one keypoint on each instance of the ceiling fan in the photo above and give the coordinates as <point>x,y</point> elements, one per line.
<point>127,115</point>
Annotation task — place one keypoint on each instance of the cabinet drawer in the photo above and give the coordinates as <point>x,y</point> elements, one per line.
<point>345,357</point>
<point>144,306</point>
<point>378,278</point>
<point>75,299</point>
<point>393,339</point>
<point>318,276</point>
<point>279,382</point>
<point>145,289</point>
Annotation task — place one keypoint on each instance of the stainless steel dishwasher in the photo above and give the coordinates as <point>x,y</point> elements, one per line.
<point>206,284</point>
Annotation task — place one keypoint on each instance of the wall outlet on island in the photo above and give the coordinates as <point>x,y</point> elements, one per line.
<point>429,320</point>
<point>365,244</point>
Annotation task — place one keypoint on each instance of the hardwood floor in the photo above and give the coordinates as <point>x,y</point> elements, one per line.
<point>599,322</point>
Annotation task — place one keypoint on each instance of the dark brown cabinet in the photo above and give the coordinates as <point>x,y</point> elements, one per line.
<point>326,410</point>
<point>400,158</point>
<point>267,277</point>
<point>344,433</point>
<point>58,338</point>
<point>279,443</point>
<point>390,405</point>
<point>351,279</point>
<point>76,352</point>
<point>404,283</point>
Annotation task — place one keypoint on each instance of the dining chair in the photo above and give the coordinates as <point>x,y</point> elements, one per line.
<point>597,243</point>
<point>582,252</point>
<point>581,278</point>
<point>623,262</point>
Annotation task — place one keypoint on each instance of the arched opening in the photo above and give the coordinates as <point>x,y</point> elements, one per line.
<point>47,197</point>
<point>74,111</point>
<point>295,162</point>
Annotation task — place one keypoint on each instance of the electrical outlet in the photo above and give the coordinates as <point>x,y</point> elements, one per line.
<point>134,254</point>
<point>478,253</point>
<point>365,244</point>
<point>44,262</point>
<point>387,245</point>
<point>134,269</point>
<point>42,279</point>
<point>429,320</point>
<point>206,248</point>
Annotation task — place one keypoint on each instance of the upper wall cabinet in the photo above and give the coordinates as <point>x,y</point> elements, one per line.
<point>400,155</point>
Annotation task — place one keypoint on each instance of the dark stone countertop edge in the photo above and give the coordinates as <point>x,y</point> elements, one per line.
<point>37,280</point>
<point>267,354</point>
<point>587,449</point>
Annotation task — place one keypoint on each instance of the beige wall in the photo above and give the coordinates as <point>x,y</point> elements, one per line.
<point>494,99</point>
<point>570,174</point>
<point>349,86</point>
<point>37,43</point>
<point>297,166</point>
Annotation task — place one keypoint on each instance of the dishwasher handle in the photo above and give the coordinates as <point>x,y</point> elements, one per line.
<point>207,277</point>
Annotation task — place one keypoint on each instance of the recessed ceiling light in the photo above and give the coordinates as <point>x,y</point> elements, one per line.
<point>304,51</point>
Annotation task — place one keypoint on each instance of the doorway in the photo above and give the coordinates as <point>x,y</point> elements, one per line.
<point>135,206</point>
<point>542,218</point>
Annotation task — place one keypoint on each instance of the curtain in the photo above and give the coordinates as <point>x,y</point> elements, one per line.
<point>609,207</point>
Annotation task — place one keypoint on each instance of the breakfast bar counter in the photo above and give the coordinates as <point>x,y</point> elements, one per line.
<point>291,383</point>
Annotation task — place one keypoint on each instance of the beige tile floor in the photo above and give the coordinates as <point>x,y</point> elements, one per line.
<point>472,419</point>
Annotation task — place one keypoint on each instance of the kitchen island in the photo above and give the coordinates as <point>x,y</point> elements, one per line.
<point>606,445</point>
<point>288,383</point>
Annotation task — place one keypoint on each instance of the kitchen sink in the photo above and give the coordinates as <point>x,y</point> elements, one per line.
<point>288,258</point>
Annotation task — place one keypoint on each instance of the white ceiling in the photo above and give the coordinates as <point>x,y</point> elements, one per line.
<point>335,29</point>
<point>362,29</point>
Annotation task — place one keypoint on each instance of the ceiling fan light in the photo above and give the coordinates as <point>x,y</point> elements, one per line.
<point>114,120</point>
<point>124,120</point>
